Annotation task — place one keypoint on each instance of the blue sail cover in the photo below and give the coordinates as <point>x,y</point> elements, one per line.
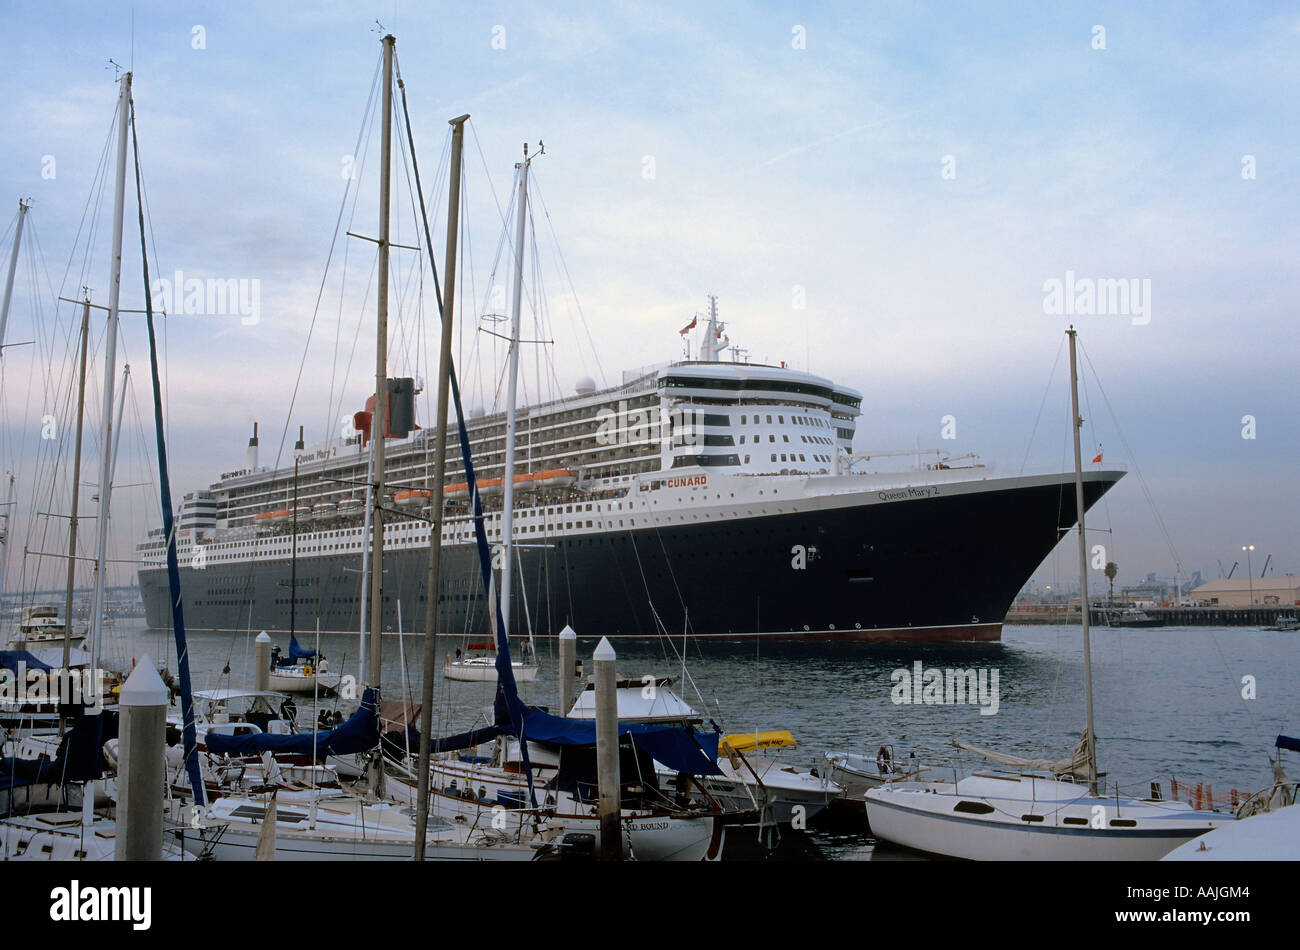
<point>1286,742</point>
<point>680,749</point>
<point>9,660</point>
<point>78,758</point>
<point>359,734</point>
<point>296,652</point>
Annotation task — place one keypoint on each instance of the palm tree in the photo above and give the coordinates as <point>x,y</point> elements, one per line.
<point>1111,570</point>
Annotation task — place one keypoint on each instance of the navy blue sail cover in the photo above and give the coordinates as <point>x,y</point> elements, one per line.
<point>1286,742</point>
<point>359,734</point>
<point>298,653</point>
<point>78,758</point>
<point>9,660</point>
<point>680,749</point>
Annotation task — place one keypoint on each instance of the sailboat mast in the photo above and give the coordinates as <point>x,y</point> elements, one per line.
<point>1075,426</point>
<point>76,483</point>
<point>110,370</point>
<point>437,507</point>
<point>512,385</point>
<point>293,561</point>
<point>379,425</point>
<point>13,267</point>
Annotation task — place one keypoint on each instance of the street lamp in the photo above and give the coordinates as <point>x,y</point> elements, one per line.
<point>1250,573</point>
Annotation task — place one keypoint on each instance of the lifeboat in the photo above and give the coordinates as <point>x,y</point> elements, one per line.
<point>284,514</point>
<point>529,481</point>
<point>411,499</point>
<point>324,509</point>
<point>350,505</point>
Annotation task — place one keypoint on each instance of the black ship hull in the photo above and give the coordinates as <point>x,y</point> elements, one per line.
<point>941,567</point>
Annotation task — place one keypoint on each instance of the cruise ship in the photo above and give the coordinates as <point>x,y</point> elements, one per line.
<point>707,497</point>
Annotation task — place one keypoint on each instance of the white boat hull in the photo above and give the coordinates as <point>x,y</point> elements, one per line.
<point>302,683</point>
<point>341,827</point>
<point>654,837</point>
<point>922,816</point>
<point>467,671</point>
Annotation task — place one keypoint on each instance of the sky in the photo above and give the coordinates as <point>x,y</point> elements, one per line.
<point>884,196</point>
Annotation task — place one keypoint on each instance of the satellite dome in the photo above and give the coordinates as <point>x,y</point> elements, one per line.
<point>586,386</point>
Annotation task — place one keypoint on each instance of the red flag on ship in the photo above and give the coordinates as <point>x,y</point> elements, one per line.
<point>1098,458</point>
<point>690,326</point>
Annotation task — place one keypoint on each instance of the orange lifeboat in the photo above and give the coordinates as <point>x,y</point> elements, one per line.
<point>531,481</point>
<point>411,498</point>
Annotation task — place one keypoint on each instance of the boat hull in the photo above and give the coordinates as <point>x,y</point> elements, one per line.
<point>851,566</point>
<point>919,817</point>
<point>486,672</point>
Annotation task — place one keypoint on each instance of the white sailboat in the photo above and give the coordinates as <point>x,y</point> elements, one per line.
<point>1010,815</point>
<point>482,668</point>
<point>364,823</point>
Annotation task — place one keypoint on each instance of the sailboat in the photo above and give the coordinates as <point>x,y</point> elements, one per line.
<point>303,671</point>
<point>477,664</point>
<point>84,835</point>
<point>363,823</point>
<point>1000,815</point>
<point>532,744</point>
<point>481,667</point>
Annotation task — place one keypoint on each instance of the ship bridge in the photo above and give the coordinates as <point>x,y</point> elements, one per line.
<point>757,419</point>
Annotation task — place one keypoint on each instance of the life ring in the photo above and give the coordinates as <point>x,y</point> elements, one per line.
<point>884,761</point>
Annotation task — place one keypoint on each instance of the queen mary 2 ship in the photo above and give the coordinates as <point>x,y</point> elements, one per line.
<point>707,497</point>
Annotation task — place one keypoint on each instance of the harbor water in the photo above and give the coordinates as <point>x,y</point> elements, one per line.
<point>1191,704</point>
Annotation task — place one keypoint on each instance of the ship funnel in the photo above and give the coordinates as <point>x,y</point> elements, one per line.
<point>250,460</point>
<point>300,444</point>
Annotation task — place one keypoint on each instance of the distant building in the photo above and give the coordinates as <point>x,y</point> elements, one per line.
<point>1237,592</point>
<point>1149,591</point>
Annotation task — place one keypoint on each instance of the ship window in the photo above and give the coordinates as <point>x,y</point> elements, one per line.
<point>742,440</point>
<point>746,459</point>
<point>743,419</point>
<point>771,438</point>
<point>975,808</point>
<point>1031,817</point>
<point>773,456</point>
<point>769,420</point>
<point>1123,823</point>
<point>1074,821</point>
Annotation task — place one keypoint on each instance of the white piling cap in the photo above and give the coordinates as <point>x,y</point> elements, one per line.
<point>144,687</point>
<point>604,651</point>
<point>262,638</point>
<point>568,633</point>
